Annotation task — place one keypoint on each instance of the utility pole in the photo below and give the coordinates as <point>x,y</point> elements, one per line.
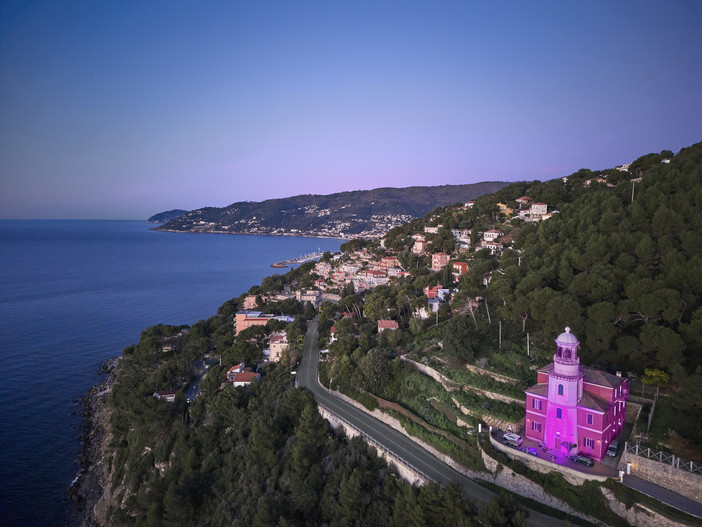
<point>488,311</point>
<point>528,345</point>
<point>500,334</point>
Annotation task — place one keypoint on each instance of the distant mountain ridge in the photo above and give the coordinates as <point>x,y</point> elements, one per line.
<point>366,213</point>
<point>163,217</point>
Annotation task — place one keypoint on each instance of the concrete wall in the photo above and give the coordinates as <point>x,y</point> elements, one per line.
<point>405,471</point>
<point>664,475</point>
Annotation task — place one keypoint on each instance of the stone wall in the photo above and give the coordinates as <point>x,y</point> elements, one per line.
<point>638,515</point>
<point>680,481</point>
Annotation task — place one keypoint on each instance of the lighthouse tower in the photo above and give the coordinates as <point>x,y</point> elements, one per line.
<point>565,389</point>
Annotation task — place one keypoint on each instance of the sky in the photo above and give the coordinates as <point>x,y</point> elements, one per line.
<point>123,109</point>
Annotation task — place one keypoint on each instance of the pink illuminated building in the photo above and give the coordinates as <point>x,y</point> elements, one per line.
<point>573,408</point>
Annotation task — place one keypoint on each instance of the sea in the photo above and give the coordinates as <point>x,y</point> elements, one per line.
<point>72,295</point>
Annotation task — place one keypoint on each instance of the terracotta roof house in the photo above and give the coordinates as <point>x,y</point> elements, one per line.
<point>246,377</point>
<point>246,319</point>
<point>168,396</point>
<point>459,268</point>
<point>387,324</point>
<point>430,292</point>
<point>439,261</point>
<point>231,373</point>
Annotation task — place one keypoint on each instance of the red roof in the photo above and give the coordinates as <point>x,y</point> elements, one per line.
<point>388,324</point>
<point>237,367</point>
<point>246,376</point>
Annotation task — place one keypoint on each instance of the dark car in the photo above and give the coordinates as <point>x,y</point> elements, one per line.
<point>531,451</point>
<point>583,460</point>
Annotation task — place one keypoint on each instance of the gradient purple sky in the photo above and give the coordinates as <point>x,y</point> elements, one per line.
<point>124,109</point>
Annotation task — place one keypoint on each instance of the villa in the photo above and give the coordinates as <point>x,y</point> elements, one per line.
<point>573,408</point>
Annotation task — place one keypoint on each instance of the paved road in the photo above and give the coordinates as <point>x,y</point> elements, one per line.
<point>193,391</point>
<point>667,496</point>
<point>390,438</point>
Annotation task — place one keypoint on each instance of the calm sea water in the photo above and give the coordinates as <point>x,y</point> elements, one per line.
<point>72,295</point>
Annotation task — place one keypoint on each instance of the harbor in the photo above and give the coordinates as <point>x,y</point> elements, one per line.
<point>298,261</point>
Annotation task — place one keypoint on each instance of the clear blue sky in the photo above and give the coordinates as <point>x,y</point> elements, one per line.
<point>116,109</point>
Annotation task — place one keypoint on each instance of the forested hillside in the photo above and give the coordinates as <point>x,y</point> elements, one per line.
<point>618,259</point>
<point>622,266</point>
<point>259,455</point>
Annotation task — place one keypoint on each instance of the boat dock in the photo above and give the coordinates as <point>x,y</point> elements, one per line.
<point>299,260</point>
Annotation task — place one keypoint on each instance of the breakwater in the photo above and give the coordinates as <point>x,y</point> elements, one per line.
<point>298,261</point>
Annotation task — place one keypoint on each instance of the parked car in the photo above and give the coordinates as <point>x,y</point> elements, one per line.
<point>515,438</point>
<point>531,451</point>
<point>583,460</point>
<point>612,448</point>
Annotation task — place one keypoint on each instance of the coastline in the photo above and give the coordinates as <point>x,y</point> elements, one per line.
<point>293,234</point>
<point>90,490</point>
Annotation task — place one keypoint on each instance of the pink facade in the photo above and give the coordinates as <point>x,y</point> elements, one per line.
<point>439,260</point>
<point>246,319</point>
<point>574,408</point>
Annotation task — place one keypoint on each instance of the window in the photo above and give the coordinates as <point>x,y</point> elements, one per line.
<point>536,403</point>
<point>589,442</point>
<point>536,427</point>
<point>589,419</point>
<point>560,389</point>
<point>558,413</point>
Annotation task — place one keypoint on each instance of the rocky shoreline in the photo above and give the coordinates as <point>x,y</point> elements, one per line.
<point>90,491</point>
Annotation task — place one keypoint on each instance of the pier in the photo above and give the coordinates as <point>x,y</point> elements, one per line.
<point>299,260</point>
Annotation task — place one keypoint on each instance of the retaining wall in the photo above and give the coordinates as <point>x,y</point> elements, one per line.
<point>680,481</point>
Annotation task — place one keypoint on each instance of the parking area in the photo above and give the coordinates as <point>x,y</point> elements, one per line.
<point>606,468</point>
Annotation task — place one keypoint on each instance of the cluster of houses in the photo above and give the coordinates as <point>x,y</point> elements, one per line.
<point>361,270</point>
<point>365,272</point>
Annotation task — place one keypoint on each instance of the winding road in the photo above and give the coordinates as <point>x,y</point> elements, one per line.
<point>391,439</point>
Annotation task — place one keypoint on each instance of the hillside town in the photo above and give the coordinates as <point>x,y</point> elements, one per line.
<point>457,330</point>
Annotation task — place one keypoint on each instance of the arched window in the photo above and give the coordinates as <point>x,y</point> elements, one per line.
<point>560,389</point>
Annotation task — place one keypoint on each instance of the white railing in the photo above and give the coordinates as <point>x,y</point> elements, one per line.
<point>662,457</point>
